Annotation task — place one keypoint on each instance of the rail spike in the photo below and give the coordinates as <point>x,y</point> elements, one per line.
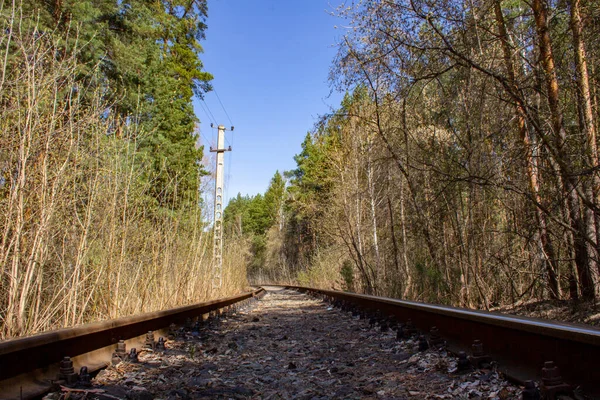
<point>552,382</point>
<point>149,340</point>
<point>85,378</point>
<point>67,372</point>
<point>479,358</point>
<point>435,340</point>
<point>121,349</point>
<point>133,356</point>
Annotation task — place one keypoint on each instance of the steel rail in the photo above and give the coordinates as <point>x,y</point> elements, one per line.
<point>19,357</point>
<point>520,345</point>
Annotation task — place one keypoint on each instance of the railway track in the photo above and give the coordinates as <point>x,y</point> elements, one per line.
<point>559,356</point>
<point>30,366</point>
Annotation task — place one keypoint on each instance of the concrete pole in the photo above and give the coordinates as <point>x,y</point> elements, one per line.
<point>218,209</point>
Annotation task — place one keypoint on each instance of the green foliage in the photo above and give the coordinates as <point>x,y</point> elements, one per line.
<point>103,248</point>
<point>314,179</point>
<point>256,214</point>
<point>347,273</point>
<point>97,135</point>
<point>259,253</point>
<point>246,215</point>
<point>310,180</point>
<point>274,197</point>
<point>148,54</point>
<point>309,191</point>
<point>253,216</point>
<point>234,215</point>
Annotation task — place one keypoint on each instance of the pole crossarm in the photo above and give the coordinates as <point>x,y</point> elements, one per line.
<point>219,150</point>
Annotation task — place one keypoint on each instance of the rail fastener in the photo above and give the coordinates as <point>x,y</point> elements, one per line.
<point>517,346</point>
<point>30,365</point>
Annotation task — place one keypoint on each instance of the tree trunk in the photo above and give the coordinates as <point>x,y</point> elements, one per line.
<point>545,246</point>
<point>585,265</point>
<point>583,83</point>
<point>372,204</point>
<point>588,128</point>
<point>394,245</point>
<point>408,282</point>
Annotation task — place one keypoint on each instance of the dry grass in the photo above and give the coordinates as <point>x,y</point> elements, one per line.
<point>81,238</point>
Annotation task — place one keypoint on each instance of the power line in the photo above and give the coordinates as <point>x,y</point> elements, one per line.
<point>222,106</point>
<point>228,175</point>
<point>208,142</point>
<point>213,119</point>
<point>206,113</point>
<point>211,141</point>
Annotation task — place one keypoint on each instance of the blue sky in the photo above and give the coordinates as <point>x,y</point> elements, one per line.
<point>270,60</point>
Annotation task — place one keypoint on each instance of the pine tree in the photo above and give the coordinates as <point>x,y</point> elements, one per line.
<point>274,197</point>
<point>148,54</point>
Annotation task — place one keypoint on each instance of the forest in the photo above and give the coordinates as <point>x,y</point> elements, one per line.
<point>101,182</point>
<point>461,167</point>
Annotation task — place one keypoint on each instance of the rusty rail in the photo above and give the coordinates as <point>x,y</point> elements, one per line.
<point>29,364</point>
<point>521,346</point>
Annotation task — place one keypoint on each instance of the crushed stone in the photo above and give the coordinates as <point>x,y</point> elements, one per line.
<point>291,346</point>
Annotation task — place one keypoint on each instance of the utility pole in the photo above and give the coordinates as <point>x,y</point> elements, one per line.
<point>218,209</point>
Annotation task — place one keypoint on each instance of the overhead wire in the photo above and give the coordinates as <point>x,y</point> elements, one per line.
<point>207,111</point>
<point>222,106</point>
<point>208,142</point>
<point>227,114</point>
<point>209,118</point>
<point>212,117</point>
<point>229,143</point>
